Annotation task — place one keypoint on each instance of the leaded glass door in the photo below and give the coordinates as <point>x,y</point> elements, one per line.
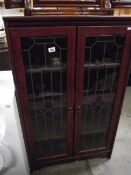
<point>101,58</point>
<point>45,71</point>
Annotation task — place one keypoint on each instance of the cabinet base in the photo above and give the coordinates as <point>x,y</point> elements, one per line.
<point>43,163</point>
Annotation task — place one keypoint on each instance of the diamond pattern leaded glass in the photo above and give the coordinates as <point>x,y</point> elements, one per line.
<point>103,54</point>
<point>45,61</point>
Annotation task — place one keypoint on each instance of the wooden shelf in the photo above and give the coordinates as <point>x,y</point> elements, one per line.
<point>47,94</point>
<point>101,65</point>
<point>103,92</point>
<point>41,104</point>
<point>47,138</point>
<point>93,132</point>
<point>91,98</point>
<point>46,68</point>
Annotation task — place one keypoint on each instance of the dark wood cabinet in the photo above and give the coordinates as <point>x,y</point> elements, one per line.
<point>70,76</point>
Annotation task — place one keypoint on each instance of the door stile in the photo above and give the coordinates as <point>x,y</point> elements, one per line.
<point>79,86</point>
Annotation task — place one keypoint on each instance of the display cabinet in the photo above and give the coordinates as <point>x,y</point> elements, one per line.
<point>70,75</point>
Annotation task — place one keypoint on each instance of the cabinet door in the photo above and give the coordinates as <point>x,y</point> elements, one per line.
<point>14,4</point>
<point>44,70</point>
<point>102,72</point>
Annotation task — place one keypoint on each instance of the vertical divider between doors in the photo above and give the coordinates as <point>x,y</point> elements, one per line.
<point>79,86</point>
<point>70,88</point>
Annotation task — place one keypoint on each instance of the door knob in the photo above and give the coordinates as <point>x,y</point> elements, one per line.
<point>78,108</point>
<point>70,108</point>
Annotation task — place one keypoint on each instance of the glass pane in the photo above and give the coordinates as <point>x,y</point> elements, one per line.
<point>45,60</point>
<point>104,49</point>
<point>44,51</point>
<point>101,70</point>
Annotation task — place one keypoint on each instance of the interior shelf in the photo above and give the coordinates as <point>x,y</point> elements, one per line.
<point>47,94</point>
<point>107,97</point>
<point>92,132</point>
<point>47,68</point>
<point>101,65</point>
<point>47,138</point>
<point>105,92</point>
<point>41,104</point>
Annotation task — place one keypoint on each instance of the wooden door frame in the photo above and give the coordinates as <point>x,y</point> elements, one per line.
<point>121,85</point>
<point>18,68</point>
